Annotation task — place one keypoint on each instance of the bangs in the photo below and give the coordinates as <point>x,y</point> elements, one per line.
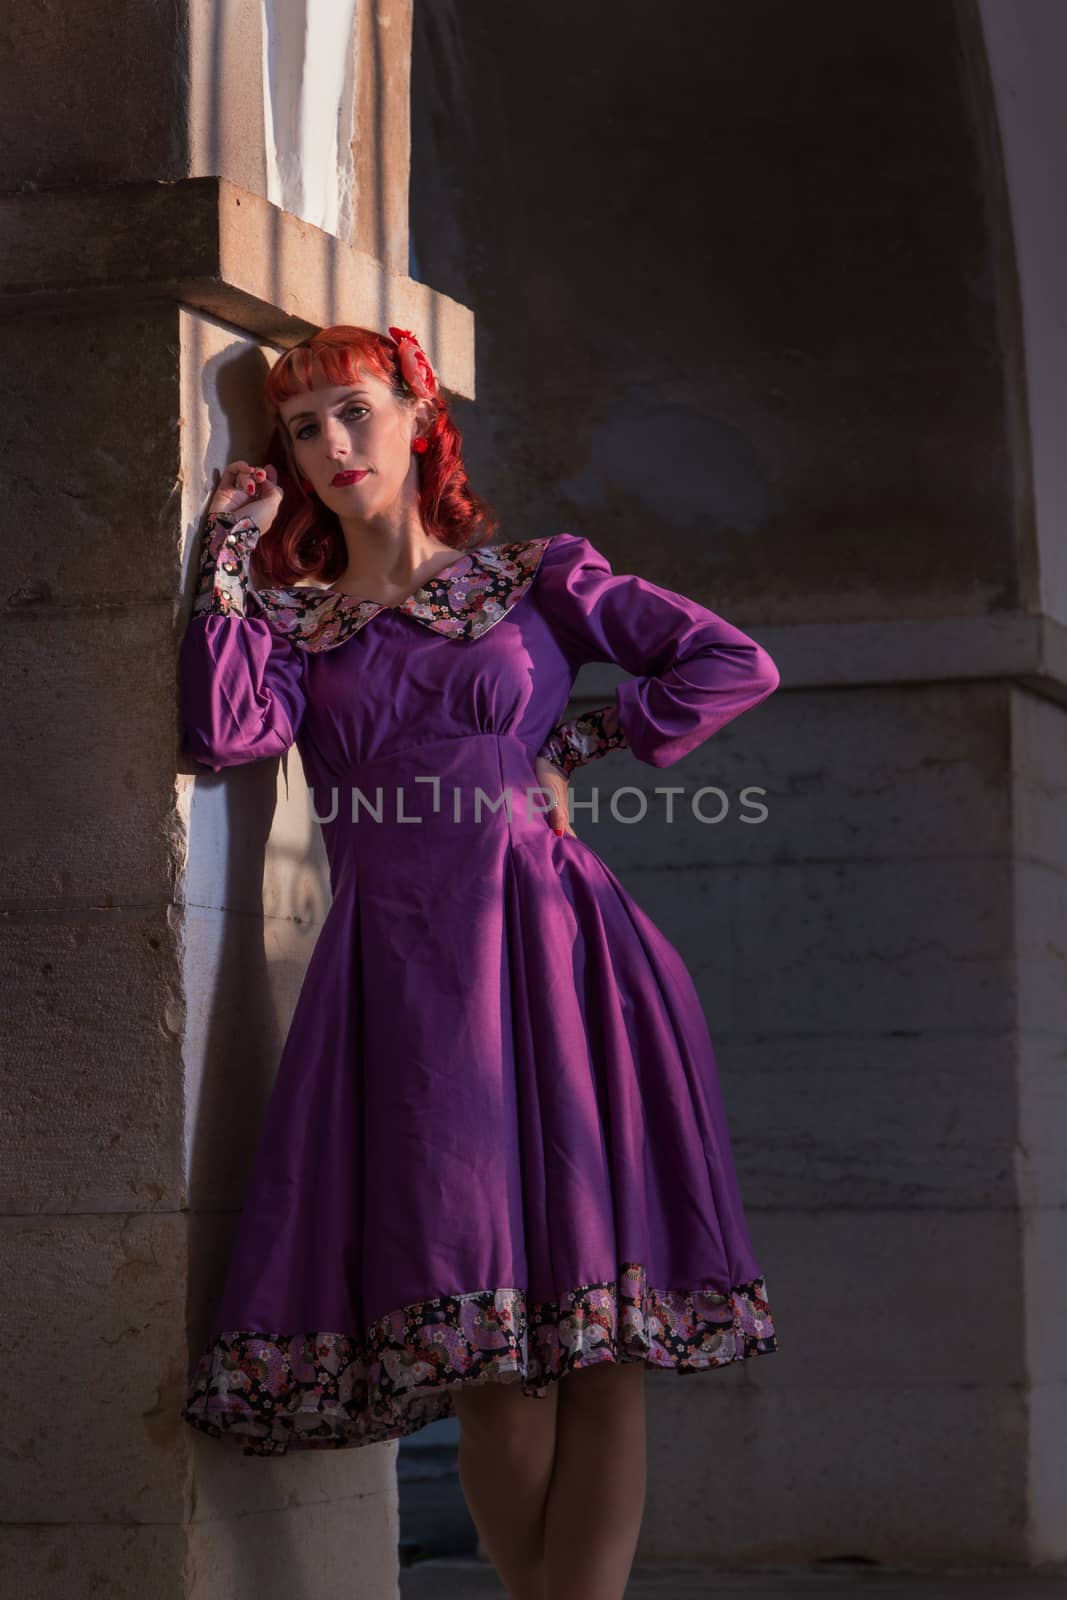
<point>341,357</point>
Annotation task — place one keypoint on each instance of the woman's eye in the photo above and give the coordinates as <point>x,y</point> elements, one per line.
<point>300,432</point>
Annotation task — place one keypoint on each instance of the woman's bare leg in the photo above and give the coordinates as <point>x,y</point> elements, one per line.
<point>597,1494</point>
<point>507,1442</point>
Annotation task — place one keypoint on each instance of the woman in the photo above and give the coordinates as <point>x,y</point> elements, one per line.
<point>495,1154</point>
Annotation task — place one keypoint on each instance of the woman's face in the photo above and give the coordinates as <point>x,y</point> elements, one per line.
<point>357,427</point>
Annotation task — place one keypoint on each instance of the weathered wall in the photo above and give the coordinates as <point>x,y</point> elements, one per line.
<point>158,918</point>
<point>749,319</point>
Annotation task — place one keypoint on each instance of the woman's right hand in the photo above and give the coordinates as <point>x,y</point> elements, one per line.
<point>558,786</point>
<point>245,490</point>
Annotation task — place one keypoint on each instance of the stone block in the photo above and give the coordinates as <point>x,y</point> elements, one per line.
<point>888,1301</point>
<point>93,1363</point>
<point>1041,949</point>
<point>1044,1273</point>
<point>1047,1469</point>
<point>891,772</point>
<point>84,1560</point>
<point>876,946</point>
<point>90,1079</point>
<point>316,1551</point>
<point>1041,1148</point>
<point>1039,779</point>
<point>92,805</point>
<point>903,1119</point>
<point>755,1474</point>
<point>91,457</point>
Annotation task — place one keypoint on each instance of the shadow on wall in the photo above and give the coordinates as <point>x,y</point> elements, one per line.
<point>434,1520</point>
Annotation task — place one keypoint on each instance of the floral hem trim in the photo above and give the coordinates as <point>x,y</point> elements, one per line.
<point>327,1390</point>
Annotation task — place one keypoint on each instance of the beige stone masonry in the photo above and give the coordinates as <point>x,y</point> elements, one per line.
<point>214,247</point>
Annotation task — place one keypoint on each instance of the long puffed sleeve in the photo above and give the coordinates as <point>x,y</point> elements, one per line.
<point>242,685</point>
<point>693,671</point>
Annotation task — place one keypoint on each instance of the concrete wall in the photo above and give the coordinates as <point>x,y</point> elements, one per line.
<point>750,319</point>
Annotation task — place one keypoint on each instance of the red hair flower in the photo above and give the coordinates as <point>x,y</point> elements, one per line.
<point>414,365</point>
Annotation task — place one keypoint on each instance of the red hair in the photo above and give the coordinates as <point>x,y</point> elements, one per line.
<point>306,540</point>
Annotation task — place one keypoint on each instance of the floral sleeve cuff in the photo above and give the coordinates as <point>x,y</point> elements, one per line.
<point>226,550</point>
<point>580,739</point>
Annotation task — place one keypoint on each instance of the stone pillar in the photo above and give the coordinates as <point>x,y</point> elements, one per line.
<point>159,918</point>
<point>1023,47</point>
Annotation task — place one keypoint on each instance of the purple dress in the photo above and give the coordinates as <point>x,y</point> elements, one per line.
<point>496,1147</point>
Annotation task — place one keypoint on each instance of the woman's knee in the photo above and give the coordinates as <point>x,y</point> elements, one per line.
<point>502,1409</point>
<point>603,1383</point>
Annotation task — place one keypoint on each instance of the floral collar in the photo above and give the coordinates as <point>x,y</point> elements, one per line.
<point>462,601</point>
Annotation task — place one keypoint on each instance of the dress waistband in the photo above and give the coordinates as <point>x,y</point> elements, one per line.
<point>477,780</point>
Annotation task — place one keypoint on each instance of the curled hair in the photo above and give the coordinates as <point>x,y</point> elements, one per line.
<point>307,540</point>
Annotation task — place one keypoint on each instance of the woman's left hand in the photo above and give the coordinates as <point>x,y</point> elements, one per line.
<point>558,817</point>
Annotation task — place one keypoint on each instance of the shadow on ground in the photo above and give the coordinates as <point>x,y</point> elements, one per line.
<point>466,1579</point>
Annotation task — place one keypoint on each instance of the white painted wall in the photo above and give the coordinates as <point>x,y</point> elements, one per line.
<point>308,110</point>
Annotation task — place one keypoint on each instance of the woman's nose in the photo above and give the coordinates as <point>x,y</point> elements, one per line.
<point>337,441</point>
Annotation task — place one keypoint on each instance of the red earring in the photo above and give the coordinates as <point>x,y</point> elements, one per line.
<point>305,484</point>
<point>420,445</point>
